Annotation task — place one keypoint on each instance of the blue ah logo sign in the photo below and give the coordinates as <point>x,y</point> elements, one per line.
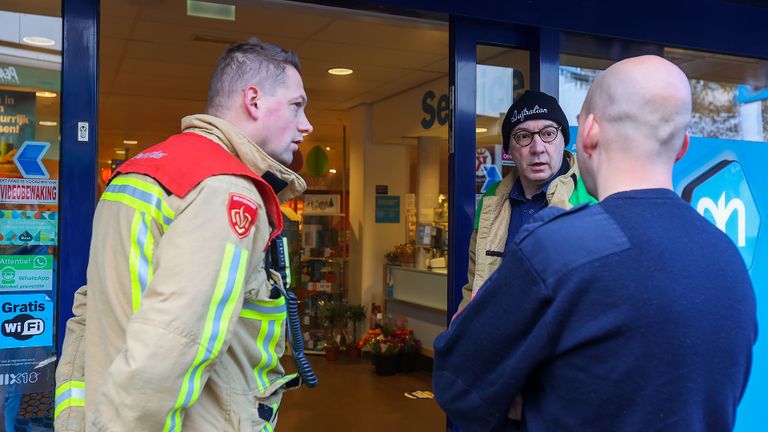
<point>725,200</point>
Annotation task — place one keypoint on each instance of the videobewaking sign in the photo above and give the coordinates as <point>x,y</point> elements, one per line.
<point>28,191</point>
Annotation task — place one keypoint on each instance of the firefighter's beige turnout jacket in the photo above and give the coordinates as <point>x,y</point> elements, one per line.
<point>175,326</point>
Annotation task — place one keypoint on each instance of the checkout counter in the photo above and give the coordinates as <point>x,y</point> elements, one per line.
<point>420,296</point>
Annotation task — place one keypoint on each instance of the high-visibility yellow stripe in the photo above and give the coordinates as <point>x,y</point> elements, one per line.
<point>273,309</point>
<point>263,354</point>
<point>133,262</point>
<point>140,257</point>
<point>69,385</point>
<point>71,402</point>
<point>143,196</point>
<point>151,189</point>
<point>69,394</point>
<point>149,249</point>
<point>273,359</point>
<point>225,298</point>
<point>272,314</point>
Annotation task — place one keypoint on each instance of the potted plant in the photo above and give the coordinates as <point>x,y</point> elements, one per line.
<point>355,314</point>
<point>384,350</point>
<point>408,354</point>
<point>331,314</point>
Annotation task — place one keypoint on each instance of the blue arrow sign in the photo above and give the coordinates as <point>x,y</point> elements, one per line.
<point>29,159</point>
<point>492,175</point>
<point>745,94</point>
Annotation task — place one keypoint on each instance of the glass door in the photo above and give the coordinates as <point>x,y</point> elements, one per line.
<point>490,65</point>
<point>30,96</point>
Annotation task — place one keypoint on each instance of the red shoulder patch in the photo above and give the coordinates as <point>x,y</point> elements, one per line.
<point>242,212</point>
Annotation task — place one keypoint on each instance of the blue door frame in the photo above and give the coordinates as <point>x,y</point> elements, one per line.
<point>465,34</point>
<point>79,104</point>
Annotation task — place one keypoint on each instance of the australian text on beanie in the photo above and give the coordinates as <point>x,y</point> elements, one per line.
<point>533,105</point>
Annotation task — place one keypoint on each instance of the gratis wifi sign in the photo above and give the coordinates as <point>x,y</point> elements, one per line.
<point>723,197</point>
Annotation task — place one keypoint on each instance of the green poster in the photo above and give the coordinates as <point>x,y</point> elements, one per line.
<point>19,227</point>
<point>26,272</point>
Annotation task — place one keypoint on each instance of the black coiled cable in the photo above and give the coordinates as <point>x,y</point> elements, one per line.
<point>297,340</point>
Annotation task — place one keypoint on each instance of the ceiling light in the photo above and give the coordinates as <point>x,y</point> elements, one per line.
<point>304,133</point>
<point>328,148</point>
<point>38,41</point>
<point>214,10</point>
<point>332,171</point>
<point>481,130</point>
<point>340,71</point>
<point>119,150</point>
<point>47,123</point>
<point>130,142</point>
<point>45,94</point>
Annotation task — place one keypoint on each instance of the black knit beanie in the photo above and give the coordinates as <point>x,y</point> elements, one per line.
<point>533,105</point>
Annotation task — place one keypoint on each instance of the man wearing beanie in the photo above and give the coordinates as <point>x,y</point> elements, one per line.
<point>535,133</point>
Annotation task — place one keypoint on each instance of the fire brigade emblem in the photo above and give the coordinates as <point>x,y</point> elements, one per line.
<point>242,212</point>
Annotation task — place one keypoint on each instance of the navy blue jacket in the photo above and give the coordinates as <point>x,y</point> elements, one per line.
<point>635,314</point>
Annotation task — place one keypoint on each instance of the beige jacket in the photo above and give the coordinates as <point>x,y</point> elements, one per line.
<point>180,327</point>
<point>489,237</point>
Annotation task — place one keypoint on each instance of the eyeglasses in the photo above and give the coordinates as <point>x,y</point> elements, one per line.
<point>524,138</point>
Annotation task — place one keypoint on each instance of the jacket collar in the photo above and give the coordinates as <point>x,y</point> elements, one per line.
<point>286,183</point>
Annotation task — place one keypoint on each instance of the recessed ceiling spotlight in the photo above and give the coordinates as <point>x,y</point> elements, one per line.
<point>130,142</point>
<point>340,71</point>
<point>332,171</point>
<point>328,148</point>
<point>45,94</point>
<point>47,123</point>
<point>38,41</point>
<point>481,130</point>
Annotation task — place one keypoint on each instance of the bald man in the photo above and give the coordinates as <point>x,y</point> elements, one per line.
<point>633,314</point>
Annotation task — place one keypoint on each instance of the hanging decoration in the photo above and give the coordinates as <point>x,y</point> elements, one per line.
<point>317,162</point>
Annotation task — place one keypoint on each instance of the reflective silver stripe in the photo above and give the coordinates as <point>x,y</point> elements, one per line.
<point>75,393</point>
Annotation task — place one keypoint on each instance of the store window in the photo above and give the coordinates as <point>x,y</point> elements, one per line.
<point>502,76</point>
<point>729,96</point>
<point>30,92</point>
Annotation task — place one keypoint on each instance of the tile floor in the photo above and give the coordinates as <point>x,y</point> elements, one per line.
<point>351,397</point>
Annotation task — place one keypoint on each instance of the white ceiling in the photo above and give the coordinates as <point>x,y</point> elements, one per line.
<point>156,62</point>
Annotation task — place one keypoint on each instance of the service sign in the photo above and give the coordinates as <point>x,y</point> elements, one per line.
<point>26,320</point>
<point>26,273</point>
<point>24,227</point>
<point>28,191</point>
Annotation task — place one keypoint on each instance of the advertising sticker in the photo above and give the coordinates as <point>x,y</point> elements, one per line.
<point>26,320</point>
<point>26,272</point>
<point>24,370</point>
<point>20,227</point>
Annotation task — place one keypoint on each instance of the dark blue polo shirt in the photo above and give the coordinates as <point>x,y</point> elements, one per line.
<point>634,314</point>
<point>523,208</point>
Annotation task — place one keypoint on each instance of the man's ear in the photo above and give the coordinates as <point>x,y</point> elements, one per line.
<point>591,134</point>
<point>684,147</point>
<point>251,100</point>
